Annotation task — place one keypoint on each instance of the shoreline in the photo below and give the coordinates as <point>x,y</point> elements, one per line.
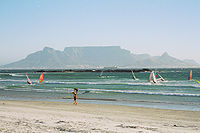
<point>43,116</point>
<point>110,102</point>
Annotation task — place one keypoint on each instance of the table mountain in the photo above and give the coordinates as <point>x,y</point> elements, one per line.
<point>84,57</point>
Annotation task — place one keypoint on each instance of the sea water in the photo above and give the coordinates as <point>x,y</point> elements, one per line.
<point>117,88</point>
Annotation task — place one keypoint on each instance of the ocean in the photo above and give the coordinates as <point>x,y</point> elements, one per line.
<point>116,88</point>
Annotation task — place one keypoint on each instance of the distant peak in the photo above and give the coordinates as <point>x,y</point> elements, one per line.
<point>165,54</point>
<point>47,49</point>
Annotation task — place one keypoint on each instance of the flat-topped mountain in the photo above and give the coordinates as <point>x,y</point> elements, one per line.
<point>98,56</point>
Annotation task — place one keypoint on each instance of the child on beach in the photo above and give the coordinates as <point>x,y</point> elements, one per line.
<point>75,95</point>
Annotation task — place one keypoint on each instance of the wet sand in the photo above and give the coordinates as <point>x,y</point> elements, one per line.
<point>40,116</point>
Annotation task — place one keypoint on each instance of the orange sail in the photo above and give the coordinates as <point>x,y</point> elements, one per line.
<point>41,78</point>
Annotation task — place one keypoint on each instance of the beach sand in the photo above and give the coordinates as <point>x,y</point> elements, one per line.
<point>40,116</point>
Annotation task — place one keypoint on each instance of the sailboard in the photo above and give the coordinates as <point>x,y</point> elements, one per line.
<point>28,80</point>
<point>190,77</point>
<point>133,75</point>
<point>41,78</point>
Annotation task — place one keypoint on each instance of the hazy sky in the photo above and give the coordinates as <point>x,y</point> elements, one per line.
<point>142,26</point>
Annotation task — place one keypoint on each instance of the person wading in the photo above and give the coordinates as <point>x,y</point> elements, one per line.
<point>75,95</point>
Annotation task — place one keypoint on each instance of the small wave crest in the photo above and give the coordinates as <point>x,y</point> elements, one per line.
<point>143,92</point>
<point>15,75</point>
<point>12,80</point>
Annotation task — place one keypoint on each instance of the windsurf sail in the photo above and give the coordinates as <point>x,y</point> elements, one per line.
<point>133,75</point>
<point>28,80</point>
<point>101,74</point>
<point>154,78</point>
<point>190,78</point>
<point>197,81</point>
<point>161,78</point>
<point>41,78</point>
<point>150,77</point>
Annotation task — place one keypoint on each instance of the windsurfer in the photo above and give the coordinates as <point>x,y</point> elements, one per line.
<point>29,82</point>
<point>41,78</point>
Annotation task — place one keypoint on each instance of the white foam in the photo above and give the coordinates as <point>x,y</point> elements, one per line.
<point>12,80</point>
<point>14,74</point>
<point>144,92</point>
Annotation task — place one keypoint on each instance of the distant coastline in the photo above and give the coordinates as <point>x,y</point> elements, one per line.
<point>76,70</point>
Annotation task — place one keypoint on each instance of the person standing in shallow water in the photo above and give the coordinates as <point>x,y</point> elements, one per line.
<point>75,95</point>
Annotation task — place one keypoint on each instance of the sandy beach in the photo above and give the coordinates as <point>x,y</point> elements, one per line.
<point>39,116</point>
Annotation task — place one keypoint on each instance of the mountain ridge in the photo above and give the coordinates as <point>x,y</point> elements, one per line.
<point>96,56</point>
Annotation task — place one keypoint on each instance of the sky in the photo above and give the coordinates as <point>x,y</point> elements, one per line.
<point>141,26</point>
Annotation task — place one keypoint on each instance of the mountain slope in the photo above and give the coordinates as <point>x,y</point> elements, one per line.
<point>83,57</point>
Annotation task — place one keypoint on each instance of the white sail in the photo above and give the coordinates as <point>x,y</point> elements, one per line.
<point>161,78</point>
<point>101,74</point>
<point>154,78</point>
<point>133,75</point>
